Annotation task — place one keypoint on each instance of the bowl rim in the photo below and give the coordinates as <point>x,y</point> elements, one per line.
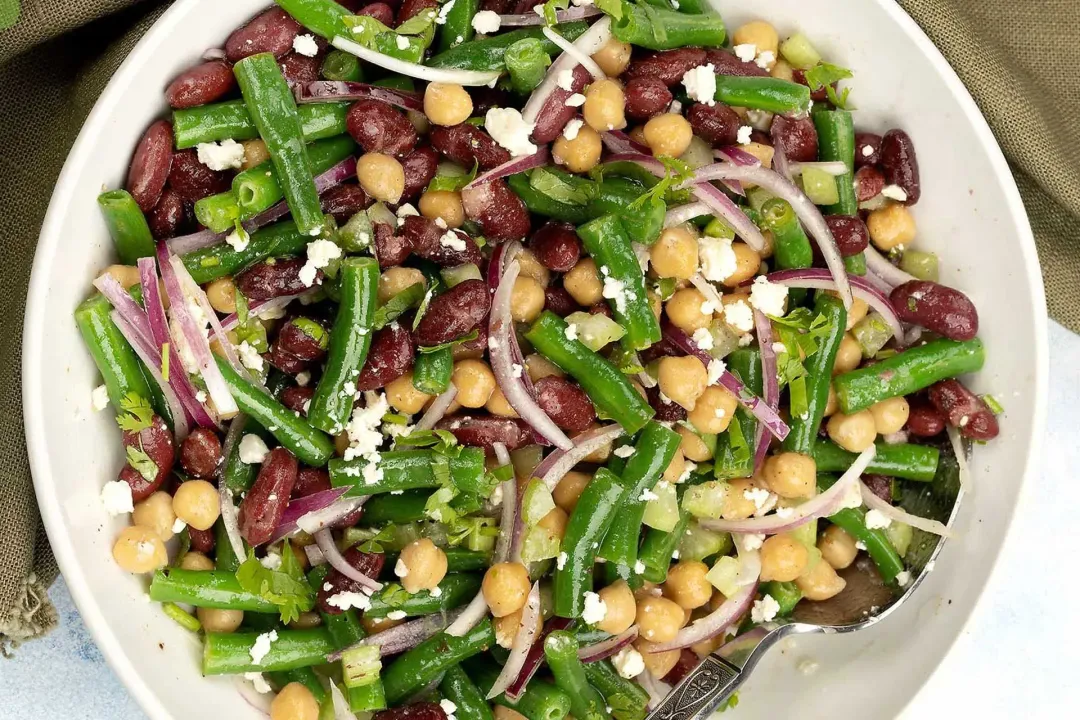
<point>49,239</point>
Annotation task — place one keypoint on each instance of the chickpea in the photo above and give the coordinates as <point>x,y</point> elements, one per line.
<point>474,382</point>
<point>506,587</point>
<point>294,702</point>
<point>647,589</point>
<point>581,154</point>
<point>637,134</point>
<point>714,410</point>
<point>675,254</point>
<point>139,549</point>
<point>526,300</point>
<point>126,275</point>
<point>791,474</point>
<point>219,621</point>
<point>781,70</point>
<point>855,432</point>
<point>306,621</point>
<point>687,586</point>
<point>659,619</point>
<point>747,263</point>
<point>425,565</point>
<point>601,454</point>
<point>676,467</point>
<point>394,280</point>
<point>833,403</point>
<point>837,547</point>
<point>621,607</point>
<point>848,355</point>
<point>404,397</point>
<point>255,153</point>
<point>890,415</point>
<point>891,226</point>
<point>763,153</point>
<point>447,103</point>
<point>707,647</point>
<point>539,366</point>
<point>820,583</point>
<point>156,513</point>
<point>683,379</point>
<point>858,311</point>
<point>531,267</point>
<point>758,33</point>
<point>555,522</point>
<point>783,558</point>
<point>222,295</point>
<point>504,713</point>
<point>668,134</point>
<point>341,443</point>
<point>197,503</point>
<point>376,625</point>
<point>381,176</point>
<point>692,446</point>
<point>195,560</point>
<point>498,405</point>
<point>507,626</point>
<point>736,505</point>
<point>658,664</point>
<point>463,352</point>
<point>445,205</point>
<point>613,57</point>
<point>583,283</point>
<point>569,489</point>
<point>684,310</point>
<point>604,104</point>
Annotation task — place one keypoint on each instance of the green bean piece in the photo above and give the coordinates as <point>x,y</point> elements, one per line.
<point>540,701</point>
<point>657,547</point>
<point>305,676</point>
<point>218,212</point>
<point>902,460</point>
<point>219,260</point>
<point>728,462</point>
<point>224,557</point>
<point>230,653</point>
<point>457,589</point>
<point>459,689</point>
<point>410,470</point>
<point>218,589</point>
<point>397,509</point>
<point>414,669</point>
<point>273,109</point>
<point>907,372</point>
<point>923,265</point>
<point>257,189</point>
<point>643,222</point>
<point>458,28</point>
<point>627,699</point>
<point>322,17</point>
<point>791,247</point>
<point>763,93</point>
<point>659,29</point>
<point>604,383</point>
<point>527,63</point>
<point>878,547</point>
<point>127,226</point>
<point>836,142</point>
<point>819,374</point>
<point>236,474</point>
<point>606,241</point>
<point>540,204</point>
<point>855,264</point>
<point>786,594</point>
<point>116,360</point>
<point>589,522</point>
<point>341,66</point>
<point>231,120</point>
<point>488,53</point>
<point>560,650</point>
<point>432,371</point>
<point>310,445</point>
<point>350,340</point>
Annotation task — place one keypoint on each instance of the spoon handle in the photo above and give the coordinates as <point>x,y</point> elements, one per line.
<point>701,692</point>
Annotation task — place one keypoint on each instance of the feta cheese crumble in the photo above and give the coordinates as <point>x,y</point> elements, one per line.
<point>396,615</point>
<point>703,339</point>
<point>877,520</point>
<point>448,707</point>
<point>116,497</point>
<point>768,297</point>
<point>765,609</point>
<point>751,541</point>
<point>486,22</point>
<point>401,569</point>
<point>319,255</point>
<point>346,600</point>
<point>575,100</point>
<point>716,369</point>
<point>516,370</point>
<point>305,45</point>
<point>261,686</point>
<point>745,52</point>
<point>894,192</point>
<point>766,59</point>
<point>226,155</point>
<point>450,239</point>
<point>99,398</point>
<point>718,261</point>
<point>624,451</point>
<point>571,332</point>
<point>615,290</point>
<point>178,526</point>
<point>595,609</point>
<point>628,662</point>
<point>565,80</point>
<point>506,127</point>
<point>700,83</point>
<point>261,646</point>
<point>252,449</point>
<point>238,239</point>
<point>739,315</point>
<point>443,12</point>
<point>249,356</point>
<point>303,378</point>
<point>903,579</point>
<point>402,42</point>
<point>570,132</point>
<point>560,562</point>
<point>743,136</point>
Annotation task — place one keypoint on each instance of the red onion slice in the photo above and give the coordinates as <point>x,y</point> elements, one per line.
<point>707,289</point>
<point>318,519</point>
<point>832,167</point>
<point>301,507</point>
<point>591,41</point>
<point>437,409</point>
<point>512,167</point>
<point>682,213</point>
<point>735,154</point>
<point>610,646</point>
<point>214,54</point>
<point>523,643</point>
<point>781,165</point>
<point>771,384</point>
<point>337,90</point>
<point>403,637</point>
<point>560,462</point>
<point>619,142</point>
<point>508,520</point>
<point>471,78</point>
<point>960,452</point>
<point>561,16</point>
<point>229,517</point>
<point>896,514</point>
<point>880,266</point>
<point>570,49</point>
<point>260,307</point>
<point>333,556</point>
<point>340,705</point>
<point>470,617</point>
<point>314,555</point>
<point>535,657</point>
<point>712,624</point>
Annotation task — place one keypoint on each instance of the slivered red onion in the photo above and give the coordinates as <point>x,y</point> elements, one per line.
<point>707,289</point>
<point>229,519</point>
<point>780,163</point>
<point>213,54</point>
<point>712,624</point>
<point>336,90</point>
<point>610,646</point>
<point>437,409</point>
<point>896,514</point>
<point>619,142</point>
<point>470,617</point>
<point>682,213</point>
<point>260,307</point>
<point>560,462</point>
<point>561,16</point>
<point>771,383</point>
<point>333,556</point>
<point>319,518</point>
<point>340,705</point>
<point>314,555</point>
<point>523,642</point>
<point>471,78</point>
<point>402,637</point>
<point>512,167</point>
<point>832,167</point>
<point>300,507</point>
<point>571,49</point>
<point>535,656</point>
<point>879,265</point>
<point>591,41</point>
<point>738,156</point>
<point>508,518</point>
<point>960,452</point>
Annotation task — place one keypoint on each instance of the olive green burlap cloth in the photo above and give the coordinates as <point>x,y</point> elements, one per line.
<point>59,54</point>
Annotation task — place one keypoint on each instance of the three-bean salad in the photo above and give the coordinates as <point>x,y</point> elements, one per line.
<point>486,359</point>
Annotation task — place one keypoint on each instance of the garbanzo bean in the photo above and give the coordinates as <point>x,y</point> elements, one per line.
<point>833,403</point>
<point>736,505</point>
<point>424,565</point>
<point>762,152</point>
<point>891,226</point>
<point>583,283</point>
<point>820,583</point>
<point>219,621</point>
<point>668,134</point>
<point>684,310</point>
<point>497,404</point>
<point>376,625</point>
<point>675,254</point>
<point>758,33</point>
<point>601,454</point>
<point>555,522</point>
<point>539,366</point>
<point>526,300</point>
<point>890,415</point>
<point>791,474</point>
<point>858,311</point>
<point>404,397</point>
<point>676,467</point>
<point>255,153</point>
<point>139,549</point>
<point>195,560</point>
<point>474,382</point>
<point>714,410</point>
<point>447,103</point>
<point>506,629</point>
<point>569,489</point>
<point>126,275</point>
<point>222,295</point>
<point>692,446</point>
<point>747,263</point>
<point>197,503</point>
<point>659,619</point>
<point>604,104</point>
<point>782,71</point>
<point>855,432</point>
<point>155,513</point>
<point>445,205</point>
<point>783,558</point>
<point>621,608</point>
<point>381,176</point>
<point>687,586</point>
<point>581,154</point>
<point>504,713</point>
<point>294,702</point>
<point>837,547</point>
<point>394,280</point>
<point>613,57</point>
<point>506,587</point>
<point>531,267</point>
<point>658,664</point>
<point>682,379</point>
<point>848,355</point>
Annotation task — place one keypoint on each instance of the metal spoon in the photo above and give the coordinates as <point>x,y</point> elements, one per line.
<point>865,601</point>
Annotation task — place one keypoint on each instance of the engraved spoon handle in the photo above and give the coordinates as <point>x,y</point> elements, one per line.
<point>701,692</point>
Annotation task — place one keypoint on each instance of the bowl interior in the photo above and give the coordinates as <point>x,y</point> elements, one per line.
<point>970,214</point>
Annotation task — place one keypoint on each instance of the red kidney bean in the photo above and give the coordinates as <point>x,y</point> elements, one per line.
<point>761,138</point>
<point>466,144</point>
<point>273,278</point>
<point>864,141</point>
<point>565,403</point>
<point>201,540</point>
<point>192,180</point>
<point>380,11</point>
<point>390,249</point>
<point>157,442</point>
<point>296,398</point>
<point>924,420</point>
<point>479,343</point>
<point>819,95</point>
<point>725,63</point>
<point>344,201</point>
<point>273,31</point>
<point>936,307</point>
<point>964,410</point>
<point>284,361</point>
<point>167,215</point>
<point>264,504</point>
<point>420,167</point>
<point>669,411</point>
<point>555,113</point>
<point>667,66</point>
<point>687,661</point>
<point>410,8</point>
<point>500,213</point>
<point>717,124</point>
<point>390,357</point>
<point>200,453</point>
<point>556,246</point>
<point>312,480</point>
<point>378,127</point>
<point>850,233</point>
<point>646,97</point>
<point>200,85</point>
<point>879,485</point>
<point>299,68</point>
<point>295,340</point>
<point>601,308</point>
<point>798,138</point>
<point>416,711</point>
<point>485,431</point>
<point>456,312</point>
<point>664,348</point>
<point>370,564</point>
<point>558,301</point>
<point>868,182</point>
<point>525,6</point>
<point>900,165</point>
<point>150,165</point>
<point>499,7</point>
<point>425,239</point>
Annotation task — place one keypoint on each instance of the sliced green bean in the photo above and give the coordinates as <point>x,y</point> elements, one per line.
<point>231,120</point>
<point>878,547</point>
<point>432,371</point>
<point>791,247</point>
<point>643,221</point>
<point>658,546</point>
<point>627,699</point>
<point>218,589</point>
<point>414,669</point>
<point>727,462</point>
<point>399,509</point>
<point>305,676</point>
<point>462,691</point>
<point>902,460</point>
<point>230,653</point>
<point>540,204</point>
<point>763,93</point>
<point>527,63</point>
<point>659,29</point>
<point>560,650</point>
<point>120,367</point>
<point>819,373</point>
<point>488,53</point>
<point>127,226</point>
<point>410,470</point>
<point>342,67</point>
<point>219,260</point>
<point>836,142</point>
<point>540,701</point>
<point>456,590</point>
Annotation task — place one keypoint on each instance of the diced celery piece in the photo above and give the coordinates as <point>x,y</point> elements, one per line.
<point>457,275</point>
<point>806,534</point>
<point>379,213</point>
<point>356,234</point>
<point>923,265</point>
<point>595,330</point>
<point>536,502</point>
<point>899,535</point>
<point>706,500</point>
<point>725,340</point>
<point>820,186</point>
<point>360,665</point>
<point>724,575</point>
<point>698,154</point>
<point>699,543</point>
<point>662,511</point>
<point>798,51</point>
<point>872,333</point>
<point>757,196</point>
<point>539,544</point>
<point>717,228</point>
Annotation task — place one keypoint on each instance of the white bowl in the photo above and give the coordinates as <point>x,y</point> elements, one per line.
<point>970,214</point>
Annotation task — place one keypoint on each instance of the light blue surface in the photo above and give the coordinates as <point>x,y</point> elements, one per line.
<point>1018,658</point>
